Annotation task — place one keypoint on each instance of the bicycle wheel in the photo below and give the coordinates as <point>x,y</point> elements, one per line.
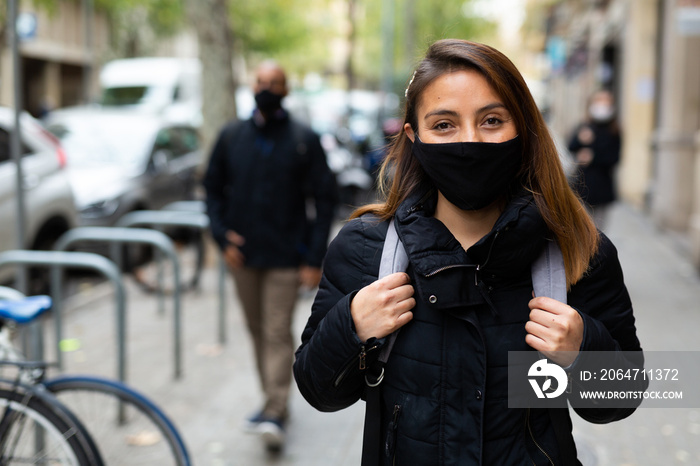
<point>36,429</point>
<point>144,436</point>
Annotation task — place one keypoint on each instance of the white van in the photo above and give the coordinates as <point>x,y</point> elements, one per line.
<point>166,85</point>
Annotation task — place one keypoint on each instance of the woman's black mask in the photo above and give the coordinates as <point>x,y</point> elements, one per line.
<point>471,175</point>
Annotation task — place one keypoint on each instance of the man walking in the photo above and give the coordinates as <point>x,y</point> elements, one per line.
<point>261,173</point>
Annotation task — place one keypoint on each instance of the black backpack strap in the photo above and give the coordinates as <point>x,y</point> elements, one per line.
<point>394,259</point>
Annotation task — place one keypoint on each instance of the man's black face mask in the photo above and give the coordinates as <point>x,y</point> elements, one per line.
<point>267,101</point>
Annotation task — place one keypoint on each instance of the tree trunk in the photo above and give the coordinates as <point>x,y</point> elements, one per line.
<point>211,22</point>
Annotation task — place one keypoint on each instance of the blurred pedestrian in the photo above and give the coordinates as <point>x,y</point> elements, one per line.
<point>261,173</point>
<point>478,192</point>
<point>374,158</point>
<point>595,146</point>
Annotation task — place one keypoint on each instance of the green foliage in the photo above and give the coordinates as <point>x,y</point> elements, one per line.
<point>165,17</point>
<point>304,34</point>
<point>278,29</point>
<point>417,23</point>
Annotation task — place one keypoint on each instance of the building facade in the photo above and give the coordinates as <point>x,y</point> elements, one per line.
<point>646,52</point>
<point>58,50</point>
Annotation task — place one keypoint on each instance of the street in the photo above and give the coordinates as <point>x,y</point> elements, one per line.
<point>218,388</point>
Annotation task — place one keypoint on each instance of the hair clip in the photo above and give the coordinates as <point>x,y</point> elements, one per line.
<point>405,94</point>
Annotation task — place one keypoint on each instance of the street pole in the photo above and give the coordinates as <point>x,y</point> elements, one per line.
<point>15,145</point>
<point>87,65</point>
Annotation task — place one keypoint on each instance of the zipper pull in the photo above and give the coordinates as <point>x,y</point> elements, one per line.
<point>363,356</point>
<point>397,410</point>
<point>476,275</point>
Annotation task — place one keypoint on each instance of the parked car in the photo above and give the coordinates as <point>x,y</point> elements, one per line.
<point>49,204</point>
<point>119,160</point>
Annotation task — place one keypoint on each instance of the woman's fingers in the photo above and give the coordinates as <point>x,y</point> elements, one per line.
<point>555,329</point>
<point>383,306</point>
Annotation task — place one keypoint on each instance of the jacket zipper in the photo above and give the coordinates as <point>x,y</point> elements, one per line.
<point>447,267</point>
<point>478,266</point>
<point>391,434</point>
<point>353,362</point>
<point>532,436</point>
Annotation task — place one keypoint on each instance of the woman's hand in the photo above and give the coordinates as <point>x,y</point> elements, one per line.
<point>555,329</point>
<point>383,306</point>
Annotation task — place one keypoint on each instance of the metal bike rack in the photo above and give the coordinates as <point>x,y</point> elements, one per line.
<point>169,218</point>
<point>176,218</point>
<point>200,206</point>
<point>121,235</point>
<point>187,206</point>
<point>57,260</point>
<point>222,299</point>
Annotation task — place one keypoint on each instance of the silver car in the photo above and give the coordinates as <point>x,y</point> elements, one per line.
<point>49,203</point>
<point>120,161</point>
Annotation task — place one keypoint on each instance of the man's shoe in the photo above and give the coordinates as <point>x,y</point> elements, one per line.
<point>252,424</point>
<point>272,433</point>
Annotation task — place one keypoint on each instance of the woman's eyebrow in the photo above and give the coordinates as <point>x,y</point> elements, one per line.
<point>441,112</point>
<point>446,112</point>
<point>492,106</point>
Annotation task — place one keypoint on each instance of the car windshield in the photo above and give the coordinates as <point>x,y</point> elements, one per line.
<point>130,95</point>
<point>93,144</point>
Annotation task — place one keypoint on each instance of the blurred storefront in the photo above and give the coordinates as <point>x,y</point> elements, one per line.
<point>57,50</point>
<point>647,53</point>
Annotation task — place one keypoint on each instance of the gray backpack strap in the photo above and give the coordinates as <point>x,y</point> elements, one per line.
<point>549,279</point>
<point>549,274</point>
<point>394,259</point>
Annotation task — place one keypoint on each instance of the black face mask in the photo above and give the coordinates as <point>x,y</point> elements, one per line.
<point>268,101</point>
<point>471,175</point>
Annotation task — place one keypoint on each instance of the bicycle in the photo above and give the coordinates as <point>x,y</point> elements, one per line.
<point>35,428</point>
<point>126,426</point>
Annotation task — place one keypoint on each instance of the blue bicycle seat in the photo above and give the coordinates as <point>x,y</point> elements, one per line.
<point>24,310</point>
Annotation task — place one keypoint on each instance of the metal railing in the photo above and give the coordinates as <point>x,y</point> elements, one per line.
<point>57,261</point>
<point>200,206</point>
<point>123,235</point>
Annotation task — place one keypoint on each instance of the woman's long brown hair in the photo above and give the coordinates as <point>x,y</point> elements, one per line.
<point>541,171</point>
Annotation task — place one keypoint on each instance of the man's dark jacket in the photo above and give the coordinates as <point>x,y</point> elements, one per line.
<point>258,181</point>
<point>444,394</point>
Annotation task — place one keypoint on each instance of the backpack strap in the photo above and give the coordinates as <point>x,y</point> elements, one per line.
<point>394,259</point>
<point>549,279</point>
<point>549,274</point>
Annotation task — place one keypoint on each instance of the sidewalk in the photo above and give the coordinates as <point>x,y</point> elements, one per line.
<point>218,388</point>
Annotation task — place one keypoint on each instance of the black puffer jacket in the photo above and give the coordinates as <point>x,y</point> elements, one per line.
<point>444,393</point>
<point>596,181</point>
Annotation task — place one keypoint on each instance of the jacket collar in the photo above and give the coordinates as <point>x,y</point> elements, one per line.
<point>507,250</point>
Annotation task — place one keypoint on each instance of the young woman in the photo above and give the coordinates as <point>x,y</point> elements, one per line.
<point>595,146</point>
<point>477,190</point>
